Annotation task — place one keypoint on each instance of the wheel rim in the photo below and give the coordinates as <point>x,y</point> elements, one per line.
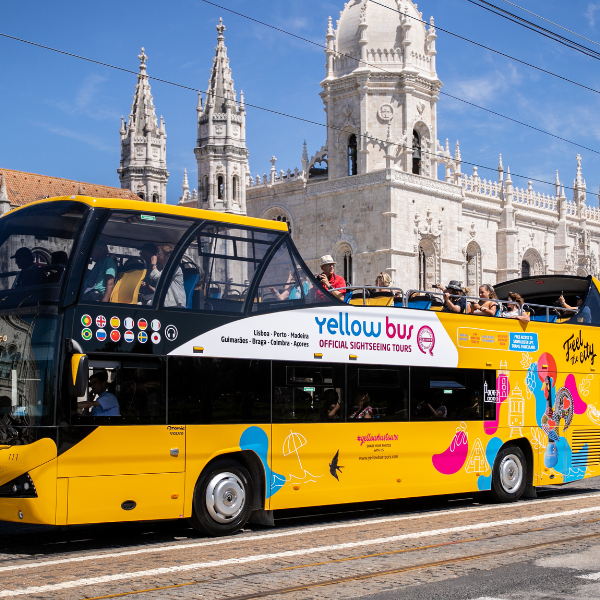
<point>511,473</point>
<point>225,497</point>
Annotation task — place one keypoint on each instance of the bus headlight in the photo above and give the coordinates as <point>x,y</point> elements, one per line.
<point>21,487</point>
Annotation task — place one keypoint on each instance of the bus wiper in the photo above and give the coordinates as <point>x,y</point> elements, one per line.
<point>8,431</point>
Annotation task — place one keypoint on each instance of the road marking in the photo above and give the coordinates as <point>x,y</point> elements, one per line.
<point>270,536</point>
<point>286,554</point>
<point>592,576</point>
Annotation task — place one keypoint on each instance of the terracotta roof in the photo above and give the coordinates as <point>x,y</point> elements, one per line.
<point>24,188</point>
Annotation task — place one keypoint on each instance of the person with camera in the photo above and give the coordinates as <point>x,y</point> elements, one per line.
<point>454,298</point>
<point>329,280</point>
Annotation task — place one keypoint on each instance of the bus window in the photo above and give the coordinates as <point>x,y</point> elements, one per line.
<point>285,283</point>
<point>218,391</point>
<point>128,257</point>
<point>378,393</point>
<point>123,392</point>
<point>452,394</point>
<point>218,266</point>
<point>308,393</point>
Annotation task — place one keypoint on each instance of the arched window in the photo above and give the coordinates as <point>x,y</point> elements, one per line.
<point>352,155</point>
<point>154,197</point>
<point>525,269</point>
<point>205,188</point>
<point>283,219</point>
<point>428,268</point>
<point>416,166</point>
<point>422,269</point>
<point>347,265</point>
<point>142,195</point>
<point>220,187</point>
<point>235,183</point>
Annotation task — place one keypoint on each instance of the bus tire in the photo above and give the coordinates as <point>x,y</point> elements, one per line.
<point>222,499</point>
<point>509,474</point>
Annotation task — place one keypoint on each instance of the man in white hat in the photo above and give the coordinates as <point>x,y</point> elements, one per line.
<point>330,281</point>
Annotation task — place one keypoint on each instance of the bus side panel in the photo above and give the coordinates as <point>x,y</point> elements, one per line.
<point>207,442</point>
<point>40,510</point>
<point>127,450</point>
<point>125,498</point>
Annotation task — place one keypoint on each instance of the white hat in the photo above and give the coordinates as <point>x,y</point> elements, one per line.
<point>327,260</point>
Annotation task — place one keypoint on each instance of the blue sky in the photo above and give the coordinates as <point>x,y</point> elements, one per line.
<point>61,116</point>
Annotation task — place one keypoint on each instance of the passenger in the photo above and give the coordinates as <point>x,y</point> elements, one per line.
<point>487,308</point>
<point>329,280</point>
<point>583,312</point>
<point>383,281</point>
<point>99,281</point>
<point>105,404</point>
<point>331,400</point>
<point>515,302</point>
<point>149,254</point>
<point>58,264</point>
<point>30,274</point>
<point>176,296</point>
<point>454,299</point>
<point>426,411</point>
<point>471,412</point>
<point>364,410</point>
<point>288,289</point>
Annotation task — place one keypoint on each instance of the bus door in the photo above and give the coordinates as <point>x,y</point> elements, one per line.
<point>127,463</point>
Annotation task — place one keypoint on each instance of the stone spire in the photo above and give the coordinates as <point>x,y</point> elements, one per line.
<point>221,150</point>
<point>579,186</point>
<point>186,196</point>
<point>143,168</point>
<point>4,200</point>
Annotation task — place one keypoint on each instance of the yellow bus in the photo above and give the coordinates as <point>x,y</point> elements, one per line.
<point>159,362</point>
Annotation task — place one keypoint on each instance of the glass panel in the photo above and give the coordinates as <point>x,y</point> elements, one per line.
<point>378,393</point>
<point>307,393</point>
<point>218,266</point>
<point>35,250</point>
<point>455,394</point>
<point>120,393</point>
<point>27,372</point>
<point>129,255</point>
<point>214,390</point>
<point>287,283</point>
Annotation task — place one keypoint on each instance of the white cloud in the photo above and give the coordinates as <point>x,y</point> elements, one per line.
<point>80,137</point>
<point>590,14</point>
<point>485,88</point>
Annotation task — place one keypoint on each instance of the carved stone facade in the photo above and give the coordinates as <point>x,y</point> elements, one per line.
<point>371,196</point>
<point>143,168</point>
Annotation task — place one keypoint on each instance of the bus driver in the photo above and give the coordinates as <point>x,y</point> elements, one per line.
<point>106,404</point>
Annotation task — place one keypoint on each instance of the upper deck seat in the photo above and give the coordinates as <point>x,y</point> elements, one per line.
<point>381,298</point>
<point>127,286</point>
<point>190,279</point>
<point>420,302</point>
<point>357,298</point>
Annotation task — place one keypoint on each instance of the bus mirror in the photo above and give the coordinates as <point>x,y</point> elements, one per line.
<point>78,377</point>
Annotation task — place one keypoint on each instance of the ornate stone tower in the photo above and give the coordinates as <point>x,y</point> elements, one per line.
<point>381,90</point>
<point>221,149</point>
<point>143,167</point>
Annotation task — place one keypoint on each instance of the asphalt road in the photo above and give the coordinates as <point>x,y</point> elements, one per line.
<point>443,547</point>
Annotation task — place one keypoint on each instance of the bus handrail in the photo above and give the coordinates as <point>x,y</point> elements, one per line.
<point>364,288</point>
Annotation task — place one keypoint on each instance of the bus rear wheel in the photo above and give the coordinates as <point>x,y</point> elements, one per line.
<point>222,499</point>
<point>509,475</point>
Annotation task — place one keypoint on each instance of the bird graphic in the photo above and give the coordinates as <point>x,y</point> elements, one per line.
<point>333,466</point>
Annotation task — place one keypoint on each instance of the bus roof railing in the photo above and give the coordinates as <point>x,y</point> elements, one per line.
<point>406,297</point>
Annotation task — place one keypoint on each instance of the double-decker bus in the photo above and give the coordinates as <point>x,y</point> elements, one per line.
<point>159,362</point>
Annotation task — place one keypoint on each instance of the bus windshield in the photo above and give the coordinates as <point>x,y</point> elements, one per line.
<point>28,367</point>
<point>35,251</point>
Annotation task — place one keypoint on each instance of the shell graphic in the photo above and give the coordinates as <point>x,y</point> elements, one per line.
<point>291,445</point>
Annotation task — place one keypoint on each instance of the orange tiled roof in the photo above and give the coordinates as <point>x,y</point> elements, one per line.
<point>24,188</point>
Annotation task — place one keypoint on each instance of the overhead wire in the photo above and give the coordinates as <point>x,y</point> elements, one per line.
<point>500,12</point>
<point>551,22</point>
<point>279,113</point>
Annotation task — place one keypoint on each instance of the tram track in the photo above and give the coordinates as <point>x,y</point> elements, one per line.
<point>372,574</point>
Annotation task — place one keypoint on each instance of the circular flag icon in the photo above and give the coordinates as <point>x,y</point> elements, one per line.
<point>155,325</point>
<point>115,335</point>
<point>142,337</point>
<point>100,335</point>
<point>86,320</point>
<point>100,322</point>
<point>171,333</point>
<point>115,322</point>
<point>155,337</point>
<point>129,336</point>
<point>143,324</point>
<point>86,334</point>
<point>129,323</point>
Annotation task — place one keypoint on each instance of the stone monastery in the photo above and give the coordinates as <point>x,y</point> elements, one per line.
<point>371,196</point>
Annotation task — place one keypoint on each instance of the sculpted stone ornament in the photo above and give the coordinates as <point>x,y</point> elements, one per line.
<point>386,112</point>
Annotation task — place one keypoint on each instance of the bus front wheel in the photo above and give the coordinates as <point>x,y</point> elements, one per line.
<point>509,476</point>
<point>222,499</point>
